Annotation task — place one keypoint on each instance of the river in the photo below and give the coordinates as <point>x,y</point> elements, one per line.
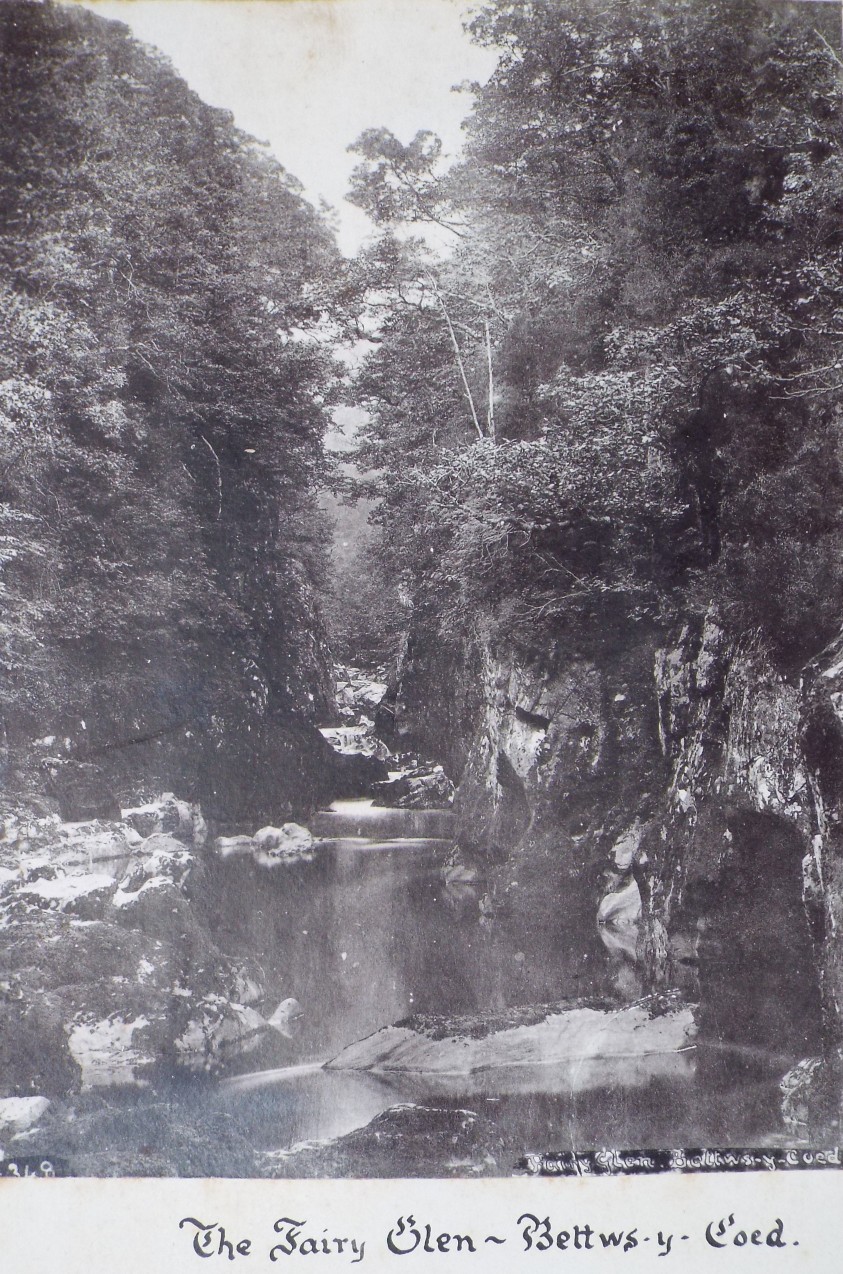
<point>368,933</point>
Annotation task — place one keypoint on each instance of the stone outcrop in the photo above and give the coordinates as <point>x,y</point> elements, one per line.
<point>356,690</point>
<point>110,971</point>
<point>182,819</point>
<point>671,805</point>
<point>563,770</point>
<point>422,787</point>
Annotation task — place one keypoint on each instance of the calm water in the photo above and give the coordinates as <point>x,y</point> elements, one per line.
<point>369,933</point>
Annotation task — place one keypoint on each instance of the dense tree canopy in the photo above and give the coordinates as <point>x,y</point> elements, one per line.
<point>615,399</point>
<point>619,394</point>
<point>163,375</point>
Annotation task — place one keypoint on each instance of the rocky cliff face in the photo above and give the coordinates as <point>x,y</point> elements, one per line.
<point>731,885</point>
<point>241,739</point>
<point>432,702</point>
<point>668,811</point>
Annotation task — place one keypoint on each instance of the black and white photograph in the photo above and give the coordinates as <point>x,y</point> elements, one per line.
<point>421,592</point>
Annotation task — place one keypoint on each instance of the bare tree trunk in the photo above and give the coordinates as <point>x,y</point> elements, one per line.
<point>490,414</point>
<point>458,356</point>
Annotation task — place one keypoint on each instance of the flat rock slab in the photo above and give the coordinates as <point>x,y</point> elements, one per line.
<point>456,1046</point>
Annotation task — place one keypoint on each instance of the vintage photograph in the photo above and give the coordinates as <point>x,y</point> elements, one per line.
<point>421,587</point>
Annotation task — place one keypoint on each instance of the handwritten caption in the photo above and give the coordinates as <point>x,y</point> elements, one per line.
<point>293,1238</point>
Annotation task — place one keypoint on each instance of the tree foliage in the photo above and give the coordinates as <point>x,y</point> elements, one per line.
<point>162,385</point>
<point>647,301</point>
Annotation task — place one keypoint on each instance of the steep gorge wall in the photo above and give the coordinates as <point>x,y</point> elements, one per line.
<point>240,738</point>
<point>433,700</point>
<point>732,883</point>
<point>561,769</point>
<point>688,774</point>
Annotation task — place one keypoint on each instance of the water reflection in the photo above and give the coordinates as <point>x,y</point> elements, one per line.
<point>651,1103</point>
<point>305,1104</point>
<point>368,933</point>
<point>364,936</point>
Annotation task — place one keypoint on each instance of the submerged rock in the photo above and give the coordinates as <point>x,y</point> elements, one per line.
<point>408,1140</point>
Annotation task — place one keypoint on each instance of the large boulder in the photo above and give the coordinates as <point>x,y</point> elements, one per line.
<point>270,846</point>
<point>287,844</point>
<point>217,1031</point>
<point>356,689</point>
